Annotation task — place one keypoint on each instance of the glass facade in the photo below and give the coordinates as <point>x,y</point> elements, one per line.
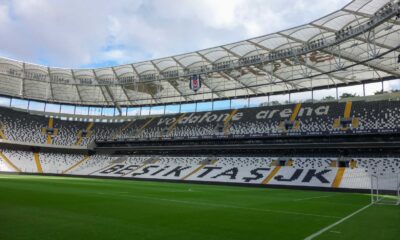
<point>330,94</point>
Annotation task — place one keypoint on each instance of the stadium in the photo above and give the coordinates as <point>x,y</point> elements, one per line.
<point>263,138</point>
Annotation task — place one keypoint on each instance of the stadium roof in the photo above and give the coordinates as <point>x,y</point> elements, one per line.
<point>305,57</point>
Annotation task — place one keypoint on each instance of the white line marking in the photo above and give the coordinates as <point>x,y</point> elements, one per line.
<point>336,223</point>
<point>303,199</point>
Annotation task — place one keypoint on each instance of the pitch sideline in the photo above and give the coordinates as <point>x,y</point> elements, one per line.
<point>337,223</point>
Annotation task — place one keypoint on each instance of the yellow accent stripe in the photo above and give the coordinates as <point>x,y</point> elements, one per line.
<point>271,175</point>
<point>295,112</point>
<point>127,126</point>
<point>50,125</point>
<point>289,163</point>
<point>9,162</point>
<point>79,140</point>
<point>227,120</point>
<point>37,161</point>
<point>226,129</point>
<point>338,178</point>
<point>172,127</point>
<point>355,122</point>
<point>123,129</point>
<point>88,128</point>
<point>193,172</point>
<point>109,165</point>
<point>85,158</point>
<point>144,126</point>
<point>336,123</point>
<point>347,110</point>
<point>2,136</point>
<point>230,116</point>
<point>198,169</point>
<point>51,122</point>
<point>353,164</point>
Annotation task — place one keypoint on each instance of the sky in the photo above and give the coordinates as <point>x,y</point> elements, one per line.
<point>100,33</point>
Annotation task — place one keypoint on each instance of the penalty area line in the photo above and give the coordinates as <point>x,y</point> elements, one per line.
<point>336,223</point>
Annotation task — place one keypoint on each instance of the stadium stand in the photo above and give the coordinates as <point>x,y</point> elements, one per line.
<point>328,118</point>
<point>46,143</point>
<point>293,171</point>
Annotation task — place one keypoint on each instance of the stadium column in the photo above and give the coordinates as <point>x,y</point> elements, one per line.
<point>80,138</point>
<point>227,126</point>
<point>37,161</point>
<point>339,177</point>
<point>9,163</point>
<point>50,126</point>
<point>85,158</point>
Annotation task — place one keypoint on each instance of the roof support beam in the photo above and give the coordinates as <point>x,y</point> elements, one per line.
<point>270,73</point>
<point>227,75</point>
<point>274,75</point>
<point>304,63</point>
<point>108,92</point>
<point>138,75</point>
<point>122,87</point>
<point>50,84</point>
<point>113,99</point>
<point>357,38</point>
<point>366,15</point>
<point>174,87</point>
<point>204,82</point>
<point>76,85</point>
<point>254,90</point>
<point>22,90</point>
<point>349,57</point>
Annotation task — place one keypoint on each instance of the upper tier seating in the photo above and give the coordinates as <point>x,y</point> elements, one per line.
<point>310,119</point>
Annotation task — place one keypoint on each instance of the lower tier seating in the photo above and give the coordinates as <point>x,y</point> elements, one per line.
<point>294,171</point>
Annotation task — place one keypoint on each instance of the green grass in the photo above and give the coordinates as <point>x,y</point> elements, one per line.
<point>33,207</point>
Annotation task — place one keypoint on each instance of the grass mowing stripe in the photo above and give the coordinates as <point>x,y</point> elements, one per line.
<point>310,198</point>
<point>223,206</point>
<point>336,223</point>
<point>39,208</point>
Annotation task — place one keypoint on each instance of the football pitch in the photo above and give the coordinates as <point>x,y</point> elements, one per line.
<point>41,207</point>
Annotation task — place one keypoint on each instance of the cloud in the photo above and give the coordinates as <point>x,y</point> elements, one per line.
<point>3,14</point>
<point>76,33</point>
